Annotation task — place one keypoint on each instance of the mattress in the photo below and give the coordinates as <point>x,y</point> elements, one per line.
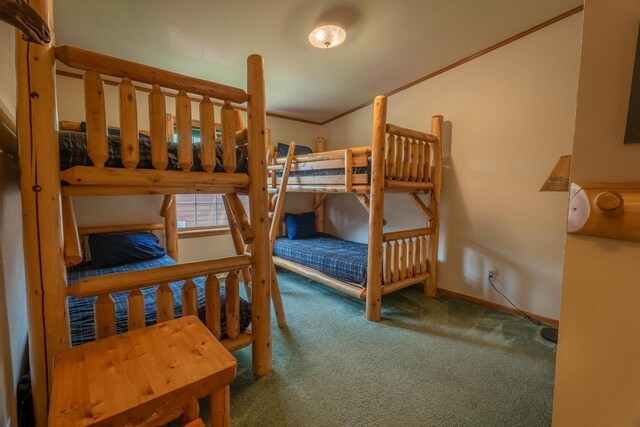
<point>81,309</point>
<point>73,152</point>
<point>333,171</point>
<point>335,257</point>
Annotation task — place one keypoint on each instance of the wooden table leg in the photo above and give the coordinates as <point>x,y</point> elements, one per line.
<point>191,411</point>
<point>220,408</point>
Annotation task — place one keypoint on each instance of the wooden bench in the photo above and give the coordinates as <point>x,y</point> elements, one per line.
<point>148,376</point>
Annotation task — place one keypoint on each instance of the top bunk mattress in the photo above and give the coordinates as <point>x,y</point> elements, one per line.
<point>73,152</point>
<point>358,170</point>
<point>81,311</point>
<point>341,259</point>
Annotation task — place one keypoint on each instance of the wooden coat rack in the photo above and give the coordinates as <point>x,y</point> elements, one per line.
<point>610,210</point>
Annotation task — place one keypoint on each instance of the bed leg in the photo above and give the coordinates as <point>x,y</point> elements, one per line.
<point>41,208</point>
<point>191,411</point>
<point>259,201</point>
<point>276,298</point>
<point>376,212</point>
<point>436,129</point>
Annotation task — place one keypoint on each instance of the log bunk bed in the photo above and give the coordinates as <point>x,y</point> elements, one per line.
<point>52,240</point>
<point>400,161</point>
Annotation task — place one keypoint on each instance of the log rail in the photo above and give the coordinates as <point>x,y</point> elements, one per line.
<point>409,158</point>
<point>405,258</point>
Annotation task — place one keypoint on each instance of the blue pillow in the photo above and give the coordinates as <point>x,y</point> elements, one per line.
<point>283,149</point>
<point>300,226</point>
<point>109,250</point>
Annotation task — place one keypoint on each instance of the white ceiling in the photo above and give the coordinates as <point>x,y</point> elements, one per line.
<point>389,43</point>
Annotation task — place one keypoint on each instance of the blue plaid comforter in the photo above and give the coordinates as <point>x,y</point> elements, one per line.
<point>73,152</point>
<point>338,258</point>
<point>81,309</point>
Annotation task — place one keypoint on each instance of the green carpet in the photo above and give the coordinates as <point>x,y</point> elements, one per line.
<point>430,362</point>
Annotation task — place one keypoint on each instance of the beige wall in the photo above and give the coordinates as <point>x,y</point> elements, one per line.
<point>598,361</point>
<point>508,117</point>
<point>13,309</point>
<point>128,209</point>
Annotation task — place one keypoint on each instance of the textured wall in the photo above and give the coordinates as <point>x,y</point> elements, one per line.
<point>509,116</point>
<point>598,369</point>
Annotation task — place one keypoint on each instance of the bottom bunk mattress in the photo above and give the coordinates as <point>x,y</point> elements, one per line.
<point>341,259</point>
<point>81,309</point>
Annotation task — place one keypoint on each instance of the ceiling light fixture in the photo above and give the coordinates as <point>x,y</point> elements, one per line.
<point>327,36</point>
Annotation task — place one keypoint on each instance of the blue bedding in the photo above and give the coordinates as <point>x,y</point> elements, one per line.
<point>335,257</point>
<point>73,152</point>
<point>81,309</point>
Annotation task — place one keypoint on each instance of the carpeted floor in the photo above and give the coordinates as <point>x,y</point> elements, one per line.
<point>431,362</point>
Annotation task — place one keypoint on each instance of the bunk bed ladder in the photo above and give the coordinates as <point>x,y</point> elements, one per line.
<point>276,215</point>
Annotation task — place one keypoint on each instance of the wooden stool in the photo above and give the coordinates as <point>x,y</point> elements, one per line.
<point>148,376</point>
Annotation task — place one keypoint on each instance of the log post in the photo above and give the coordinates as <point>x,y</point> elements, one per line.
<point>239,120</point>
<point>389,154</point>
<point>319,200</point>
<point>185,131</point>
<point>436,130</point>
<point>348,170</point>
<point>46,278</point>
<point>164,303</point>
<point>72,246</point>
<point>171,127</point>
<point>212,305</point>
<point>129,144</point>
<point>376,212</point>
<point>158,122</point>
<point>135,310</point>
<point>97,142</point>
<point>189,298</point>
<point>170,225</point>
<point>208,158</point>
<point>259,199</point>
<point>104,316</point>
<point>232,305</point>
<point>228,119</point>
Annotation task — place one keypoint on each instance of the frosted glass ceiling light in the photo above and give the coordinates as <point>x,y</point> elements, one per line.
<point>327,36</point>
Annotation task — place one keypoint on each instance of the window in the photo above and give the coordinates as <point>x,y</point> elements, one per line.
<point>203,210</point>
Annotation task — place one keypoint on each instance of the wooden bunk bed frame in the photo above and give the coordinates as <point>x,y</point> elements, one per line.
<point>51,236</point>
<point>402,161</point>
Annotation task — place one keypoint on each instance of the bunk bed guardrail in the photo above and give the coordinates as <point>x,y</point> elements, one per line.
<point>105,314</point>
<point>410,158</point>
<point>95,66</point>
<point>405,258</point>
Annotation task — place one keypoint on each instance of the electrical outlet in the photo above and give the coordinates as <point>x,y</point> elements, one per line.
<point>493,272</point>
